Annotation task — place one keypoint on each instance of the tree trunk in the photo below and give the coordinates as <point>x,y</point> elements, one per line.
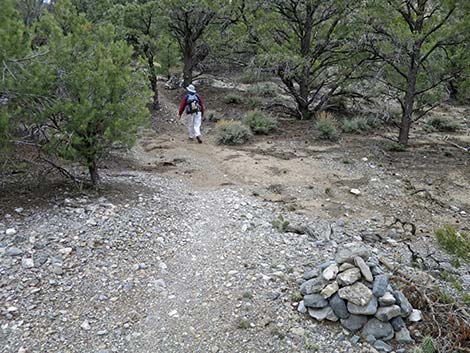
<point>153,82</point>
<point>188,63</point>
<point>93,170</point>
<point>408,104</point>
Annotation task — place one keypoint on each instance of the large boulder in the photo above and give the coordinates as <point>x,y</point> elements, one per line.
<point>348,254</point>
<point>349,277</point>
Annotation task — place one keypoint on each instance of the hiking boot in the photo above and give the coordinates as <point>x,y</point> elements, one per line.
<point>198,138</point>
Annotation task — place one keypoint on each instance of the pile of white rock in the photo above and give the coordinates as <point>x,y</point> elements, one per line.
<point>354,290</point>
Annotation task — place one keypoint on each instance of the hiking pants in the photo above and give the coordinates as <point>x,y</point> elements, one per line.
<point>194,124</point>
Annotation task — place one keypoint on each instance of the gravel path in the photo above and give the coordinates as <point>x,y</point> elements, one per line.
<point>158,267</point>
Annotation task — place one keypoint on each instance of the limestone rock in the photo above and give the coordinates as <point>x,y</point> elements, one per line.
<point>314,285</point>
<point>330,289</point>
<point>339,306</point>
<point>320,314</point>
<point>315,301</point>
<point>378,329</point>
<point>415,315</point>
<point>330,272</point>
<point>354,322</point>
<point>365,270</point>
<point>348,254</point>
<point>345,266</point>
<point>386,313</point>
<point>301,308</point>
<point>404,304</point>
<point>403,336</point>
<point>387,299</point>
<point>380,285</point>
<point>349,277</point>
<point>368,309</point>
<point>397,323</point>
<point>357,294</point>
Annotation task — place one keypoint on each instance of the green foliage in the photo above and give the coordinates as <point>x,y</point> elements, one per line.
<point>326,127</point>
<point>243,324</point>
<point>455,243</point>
<point>442,124</point>
<point>427,346</point>
<point>232,99</point>
<point>357,125</point>
<point>263,89</point>
<point>213,115</point>
<point>296,296</point>
<point>394,146</point>
<point>253,103</point>
<point>232,133</point>
<point>281,224</point>
<point>259,122</point>
<point>253,76</point>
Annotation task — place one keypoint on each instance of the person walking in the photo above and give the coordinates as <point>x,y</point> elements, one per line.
<point>194,108</point>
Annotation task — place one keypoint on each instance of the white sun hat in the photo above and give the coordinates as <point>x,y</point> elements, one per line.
<point>191,89</point>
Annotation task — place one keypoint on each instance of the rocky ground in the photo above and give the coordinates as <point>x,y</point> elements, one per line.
<point>178,252</point>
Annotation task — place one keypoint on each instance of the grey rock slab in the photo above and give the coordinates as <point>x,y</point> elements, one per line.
<point>349,277</point>
<point>329,290</point>
<point>386,313</point>
<point>330,272</point>
<point>311,274</point>
<point>378,329</point>
<point>381,346</point>
<point>387,299</point>
<point>380,285</point>
<point>397,323</point>
<point>345,266</point>
<point>315,301</point>
<point>320,314</point>
<point>403,336</point>
<point>368,309</point>
<point>354,322</point>
<point>404,304</point>
<point>314,285</point>
<point>339,306</point>
<point>348,254</point>
<point>357,294</point>
<point>14,251</point>
<point>365,270</point>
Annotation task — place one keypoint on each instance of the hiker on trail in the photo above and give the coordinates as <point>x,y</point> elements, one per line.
<point>192,105</point>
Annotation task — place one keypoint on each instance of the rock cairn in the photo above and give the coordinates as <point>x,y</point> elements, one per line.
<point>354,290</point>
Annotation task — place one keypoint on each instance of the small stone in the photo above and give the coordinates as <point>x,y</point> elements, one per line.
<point>339,307</point>
<point>102,332</point>
<point>19,209</point>
<point>27,263</point>
<point>397,323</point>
<point>329,290</point>
<point>85,325</point>
<point>354,322</point>
<point>386,313</point>
<point>387,299</point>
<point>378,329</point>
<point>298,331</point>
<point>403,336</point>
<point>22,350</point>
<point>347,254</point>
<point>368,309</point>
<point>315,301</point>
<point>349,277</point>
<point>10,231</point>
<point>301,308</point>
<point>380,285</point>
<point>404,304</point>
<point>66,251</point>
<point>365,270</point>
<point>320,314</point>
<point>381,346</point>
<point>357,294</point>
<point>415,316</point>
<point>173,313</point>
<point>355,339</point>
<point>345,266</point>
<point>330,272</point>
<point>14,251</point>
<point>370,339</point>
<point>355,192</point>
<point>310,274</point>
<point>57,269</point>
<point>314,285</point>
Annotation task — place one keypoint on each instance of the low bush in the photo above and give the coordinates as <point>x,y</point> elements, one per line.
<point>442,124</point>
<point>232,133</point>
<point>361,124</point>
<point>455,243</point>
<point>259,122</point>
<point>326,127</point>
<point>213,116</point>
<point>265,90</point>
<point>393,146</point>
<point>253,76</point>
<point>253,103</point>
<point>232,99</point>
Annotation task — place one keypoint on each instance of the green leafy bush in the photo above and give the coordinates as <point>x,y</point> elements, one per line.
<point>213,115</point>
<point>253,76</point>
<point>253,103</point>
<point>232,133</point>
<point>442,124</point>
<point>356,126</point>
<point>326,127</point>
<point>232,99</point>
<point>259,122</point>
<point>393,146</point>
<point>456,243</point>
